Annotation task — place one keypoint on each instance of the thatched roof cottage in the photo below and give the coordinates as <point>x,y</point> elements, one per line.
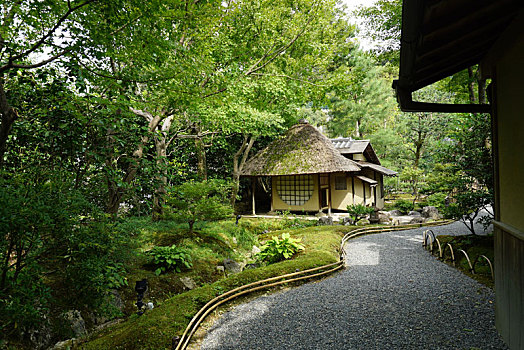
<point>310,172</point>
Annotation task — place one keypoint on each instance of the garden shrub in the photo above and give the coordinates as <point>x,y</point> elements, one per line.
<point>437,200</point>
<point>276,249</point>
<point>169,258</point>
<point>404,205</point>
<point>94,260</point>
<point>192,201</point>
<point>358,211</point>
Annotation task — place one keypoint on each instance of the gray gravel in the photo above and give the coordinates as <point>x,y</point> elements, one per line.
<point>393,295</point>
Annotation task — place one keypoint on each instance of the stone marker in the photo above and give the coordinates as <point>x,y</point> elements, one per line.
<point>325,220</point>
<point>431,212</point>
<point>188,283</point>
<point>231,266</point>
<point>76,322</point>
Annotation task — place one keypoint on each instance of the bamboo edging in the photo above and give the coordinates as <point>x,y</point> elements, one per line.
<point>259,285</point>
<point>196,320</point>
<point>442,252</point>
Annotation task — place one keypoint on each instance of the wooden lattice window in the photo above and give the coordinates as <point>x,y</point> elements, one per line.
<point>340,183</point>
<point>295,189</point>
<point>324,179</point>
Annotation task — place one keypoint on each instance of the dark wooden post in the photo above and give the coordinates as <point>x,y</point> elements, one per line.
<point>353,189</point>
<point>319,190</point>
<point>253,183</point>
<point>375,188</point>
<point>329,194</point>
<point>364,190</point>
<point>272,189</point>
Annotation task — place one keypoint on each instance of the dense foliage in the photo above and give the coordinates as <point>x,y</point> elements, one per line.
<point>52,236</point>
<point>358,211</point>
<point>112,110</point>
<point>193,202</point>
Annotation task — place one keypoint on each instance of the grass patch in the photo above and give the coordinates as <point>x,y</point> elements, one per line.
<point>156,328</point>
<point>474,246</point>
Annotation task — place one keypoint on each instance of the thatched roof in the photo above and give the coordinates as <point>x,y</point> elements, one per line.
<point>302,150</point>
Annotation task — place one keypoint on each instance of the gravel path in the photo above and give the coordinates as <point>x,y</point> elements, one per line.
<point>394,295</point>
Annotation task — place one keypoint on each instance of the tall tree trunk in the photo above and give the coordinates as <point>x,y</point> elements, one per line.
<point>471,85</point>
<point>418,153</point>
<point>357,128</point>
<point>116,192</point>
<point>8,116</point>
<point>201,159</point>
<point>161,145</point>
<point>239,160</point>
<point>419,142</point>
<point>482,91</point>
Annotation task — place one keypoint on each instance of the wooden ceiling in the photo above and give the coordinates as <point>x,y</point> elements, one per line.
<point>442,37</point>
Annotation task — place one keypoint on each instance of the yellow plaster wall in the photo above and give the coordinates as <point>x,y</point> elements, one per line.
<point>359,196</point>
<point>510,104</point>
<point>509,233</point>
<point>311,205</point>
<point>340,199</point>
<point>359,156</point>
<point>370,200</point>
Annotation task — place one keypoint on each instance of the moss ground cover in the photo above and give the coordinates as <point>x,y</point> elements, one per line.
<point>474,246</point>
<point>156,328</point>
<point>209,245</point>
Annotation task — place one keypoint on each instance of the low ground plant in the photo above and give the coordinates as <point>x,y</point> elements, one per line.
<point>474,246</point>
<point>169,258</point>
<point>275,249</point>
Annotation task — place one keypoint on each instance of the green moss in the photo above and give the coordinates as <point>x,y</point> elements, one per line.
<point>474,246</point>
<point>156,328</point>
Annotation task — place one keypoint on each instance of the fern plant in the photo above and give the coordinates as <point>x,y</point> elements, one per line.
<point>276,249</point>
<point>169,258</point>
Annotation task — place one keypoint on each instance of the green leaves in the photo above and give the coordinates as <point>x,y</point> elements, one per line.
<point>357,211</point>
<point>276,249</point>
<point>404,205</point>
<point>193,202</point>
<point>367,100</point>
<point>169,258</point>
